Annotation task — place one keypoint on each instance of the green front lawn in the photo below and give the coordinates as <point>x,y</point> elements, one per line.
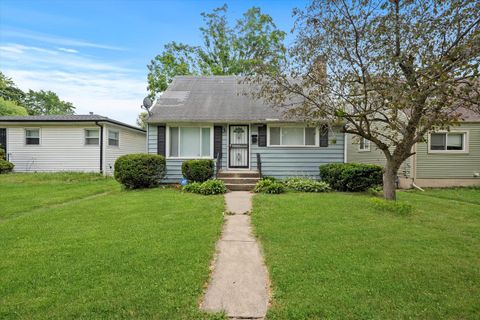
<point>333,256</point>
<point>21,193</point>
<point>124,254</point>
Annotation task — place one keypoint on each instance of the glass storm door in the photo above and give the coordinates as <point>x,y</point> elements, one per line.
<point>3,141</point>
<point>238,146</point>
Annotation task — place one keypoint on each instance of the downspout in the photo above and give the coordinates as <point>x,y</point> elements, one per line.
<point>101,146</point>
<point>414,168</point>
<point>345,141</point>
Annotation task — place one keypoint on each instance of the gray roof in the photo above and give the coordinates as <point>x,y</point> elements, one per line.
<point>469,115</point>
<point>211,98</point>
<point>67,118</point>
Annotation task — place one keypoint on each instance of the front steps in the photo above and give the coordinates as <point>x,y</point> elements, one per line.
<point>239,180</point>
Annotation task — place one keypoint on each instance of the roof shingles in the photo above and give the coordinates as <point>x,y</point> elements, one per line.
<point>210,98</point>
<point>65,118</point>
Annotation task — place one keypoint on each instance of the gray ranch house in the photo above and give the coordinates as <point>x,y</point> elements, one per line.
<point>214,117</point>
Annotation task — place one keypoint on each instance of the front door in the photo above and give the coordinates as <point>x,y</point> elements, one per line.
<point>3,140</point>
<point>238,146</point>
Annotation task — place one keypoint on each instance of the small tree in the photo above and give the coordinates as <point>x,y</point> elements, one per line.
<point>142,119</point>
<point>390,71</point>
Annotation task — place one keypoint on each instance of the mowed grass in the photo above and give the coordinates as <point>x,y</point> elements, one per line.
<point>127,254</point>
<point>465,194</point>
<point>21,193</point>
<point>333,256</point>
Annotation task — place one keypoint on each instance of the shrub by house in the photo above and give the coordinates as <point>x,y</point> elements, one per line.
<point>351,176</point>
<point>198,170</point>
<point>140,170</point>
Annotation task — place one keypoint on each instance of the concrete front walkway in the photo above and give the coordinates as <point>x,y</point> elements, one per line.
<point>239,282</point>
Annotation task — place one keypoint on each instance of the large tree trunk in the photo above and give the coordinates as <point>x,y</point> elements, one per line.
<point>389,181</point>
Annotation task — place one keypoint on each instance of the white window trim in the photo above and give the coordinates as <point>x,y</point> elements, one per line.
<point>364,149</point>
<point>317,136</point>
<point>167,138</point>
<point>108,138</point>
<point>465,142</point>
<point>85,137</point>
<point>25,137</point>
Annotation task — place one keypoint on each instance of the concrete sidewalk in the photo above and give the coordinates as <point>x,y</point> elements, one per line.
<point>239,282</point>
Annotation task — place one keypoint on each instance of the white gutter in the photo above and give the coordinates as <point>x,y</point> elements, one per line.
<point>345,138</point>
<point>414,168</point>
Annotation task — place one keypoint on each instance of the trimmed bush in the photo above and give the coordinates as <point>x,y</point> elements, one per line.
<point>269,186</point>
<point>208,187</point>
<point>306,185</point>
<point>198,170</point>
<point>2,154</point>
<point>140,170</point>
<point>353,177</point>
<point>5,166</point>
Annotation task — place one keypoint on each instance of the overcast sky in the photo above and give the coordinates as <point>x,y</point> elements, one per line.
<point>94,53</point>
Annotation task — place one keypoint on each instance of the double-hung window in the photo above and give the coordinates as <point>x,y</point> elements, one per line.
<point>190,142</point>
<point>364,145</point>
<point>292,136</point>
<point>32,136</point>
<point>92,136</point>
<point>448,142</point>
<point>113,138</point>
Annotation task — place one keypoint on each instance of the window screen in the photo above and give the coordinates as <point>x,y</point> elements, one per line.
<point>113,138</point>
<point>92,136</point>
<point>32,136</point>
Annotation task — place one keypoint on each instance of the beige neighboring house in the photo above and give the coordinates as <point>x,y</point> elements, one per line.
<point>85,143</point>
<point>445,159</point>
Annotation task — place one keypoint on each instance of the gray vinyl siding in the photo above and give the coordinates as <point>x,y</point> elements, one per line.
<point>174,166</point>
<point>152,138</point>
<point>284,162</point>
<point>451,165</point>
<point>374,156</point>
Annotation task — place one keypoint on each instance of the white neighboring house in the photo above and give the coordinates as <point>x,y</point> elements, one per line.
<point>87,143</point>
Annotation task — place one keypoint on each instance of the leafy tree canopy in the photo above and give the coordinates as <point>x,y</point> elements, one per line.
<point>11,108</point>
<point>142,119</point>
<point>9,90</point>
<point>35,102</point>
<point>46,103</point>
<point>226,49</point>
<point>391,71</point>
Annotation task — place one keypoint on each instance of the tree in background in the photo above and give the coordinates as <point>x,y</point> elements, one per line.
<point>11,108</point>
<point>226,49</point>
<point>142,119</point>
<point>10,91</point>
<point>390,71</point>
<point>46,103</point>
<point>15,101</point>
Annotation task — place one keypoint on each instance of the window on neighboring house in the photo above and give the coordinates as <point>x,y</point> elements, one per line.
<point>364,145</point>
<point>448,141</point>
<point>292,136</point>
<point>190,142</point>
<point>92,136</point>
<point>32,136</point>
<point>113,138</point>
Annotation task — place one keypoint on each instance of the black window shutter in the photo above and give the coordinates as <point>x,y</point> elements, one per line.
<point>262,136</point>
<point>217,142</point>
<point>161,140</point>
<point>324,136</point>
